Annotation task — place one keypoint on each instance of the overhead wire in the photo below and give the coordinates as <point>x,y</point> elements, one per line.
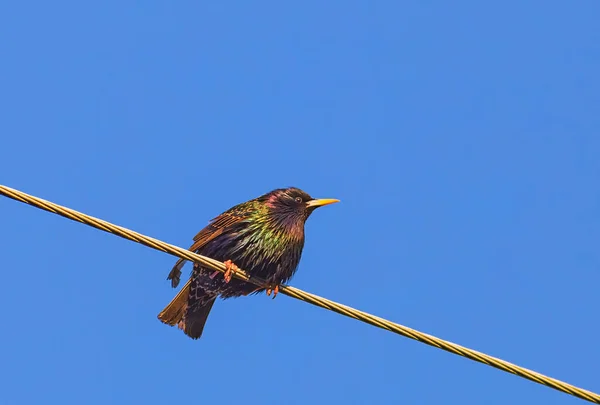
<point>303,295</point>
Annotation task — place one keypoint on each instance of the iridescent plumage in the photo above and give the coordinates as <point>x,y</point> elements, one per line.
<point>263,236</point>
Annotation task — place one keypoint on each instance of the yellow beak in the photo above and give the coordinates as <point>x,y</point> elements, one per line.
<point>321,202</point>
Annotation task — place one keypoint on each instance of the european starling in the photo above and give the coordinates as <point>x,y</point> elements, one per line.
<point>264,236</point>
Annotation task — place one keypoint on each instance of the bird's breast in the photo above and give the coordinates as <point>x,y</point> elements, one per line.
<point>273,256</point>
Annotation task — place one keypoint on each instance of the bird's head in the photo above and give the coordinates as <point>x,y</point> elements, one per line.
<point>292,205</point>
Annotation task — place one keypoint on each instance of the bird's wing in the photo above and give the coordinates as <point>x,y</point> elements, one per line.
<point>215,228</point>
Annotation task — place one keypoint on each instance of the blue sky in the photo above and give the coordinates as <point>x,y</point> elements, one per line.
<point>462,138</point>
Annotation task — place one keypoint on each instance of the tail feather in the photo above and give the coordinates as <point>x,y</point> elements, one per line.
<point>175,310</point>
<point>175,273</point>
<point>191,320</point>
<point>193,323</point>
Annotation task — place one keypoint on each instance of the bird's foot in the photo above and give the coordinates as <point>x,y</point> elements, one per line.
<point>231,270</point>
<point>274,290</point>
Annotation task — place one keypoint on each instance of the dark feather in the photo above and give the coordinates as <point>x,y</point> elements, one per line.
<point>214,229</point>
<point>191,306</point>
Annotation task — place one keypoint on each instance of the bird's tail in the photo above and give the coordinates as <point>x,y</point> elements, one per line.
<point>175,310</point>
<point>177,313</point>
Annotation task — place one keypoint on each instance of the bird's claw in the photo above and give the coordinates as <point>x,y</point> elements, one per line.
<point>274,290</point>
<point>231,269</point>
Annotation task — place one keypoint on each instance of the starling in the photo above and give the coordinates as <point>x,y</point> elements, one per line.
<point>263,236</point>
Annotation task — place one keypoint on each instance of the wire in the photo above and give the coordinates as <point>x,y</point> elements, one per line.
<point>304,296</point>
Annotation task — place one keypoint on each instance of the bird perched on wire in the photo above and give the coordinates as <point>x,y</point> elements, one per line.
<point>263,236</point>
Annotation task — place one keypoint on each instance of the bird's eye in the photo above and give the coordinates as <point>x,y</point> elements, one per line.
<point>298,199</point>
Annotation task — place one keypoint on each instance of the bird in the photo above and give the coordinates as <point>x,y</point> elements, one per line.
<point>264,236</point>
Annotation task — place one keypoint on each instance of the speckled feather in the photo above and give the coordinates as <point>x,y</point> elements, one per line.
<point>263,236</point>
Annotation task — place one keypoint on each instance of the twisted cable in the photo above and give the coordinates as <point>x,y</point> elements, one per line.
<point>304,296</point>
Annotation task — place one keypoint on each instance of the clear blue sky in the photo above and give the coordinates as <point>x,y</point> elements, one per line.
<point>461,136</point>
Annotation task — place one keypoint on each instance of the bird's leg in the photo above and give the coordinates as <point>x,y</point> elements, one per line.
<point>274,290</point>
<point>231,269</point>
